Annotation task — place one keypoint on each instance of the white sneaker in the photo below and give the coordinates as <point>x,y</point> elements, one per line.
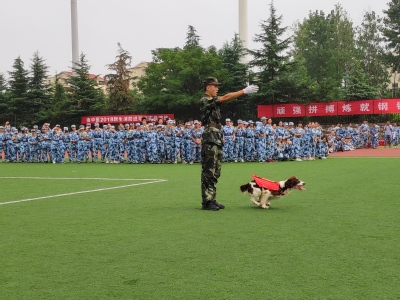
<point>323,157</point>
<point>299,159</point>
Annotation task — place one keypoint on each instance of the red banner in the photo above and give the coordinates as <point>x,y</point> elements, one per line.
<point>265,111</point>
<point>387,106</point>
<point>288,110</point>
<point>322,109</point>
<point>359,107</point>
<point>123,118</point>
<point>339,108</point>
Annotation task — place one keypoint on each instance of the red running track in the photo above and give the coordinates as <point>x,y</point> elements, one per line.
<point>378,152</point>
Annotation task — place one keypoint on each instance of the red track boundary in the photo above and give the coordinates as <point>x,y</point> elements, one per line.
<point>379,152</point>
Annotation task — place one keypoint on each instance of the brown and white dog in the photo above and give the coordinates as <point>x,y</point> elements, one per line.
<point>262,190</point>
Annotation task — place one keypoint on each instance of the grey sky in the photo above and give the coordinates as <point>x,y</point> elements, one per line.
<point>140,26</point>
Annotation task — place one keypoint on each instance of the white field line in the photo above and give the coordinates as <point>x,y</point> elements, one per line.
<point>83,192</point>
<point>70,178</point>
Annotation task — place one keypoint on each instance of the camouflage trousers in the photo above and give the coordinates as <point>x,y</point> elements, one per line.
<point>211,156</point>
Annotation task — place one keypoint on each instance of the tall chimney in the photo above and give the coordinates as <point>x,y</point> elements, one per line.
<point>243,27</point>
<point>74,33</point>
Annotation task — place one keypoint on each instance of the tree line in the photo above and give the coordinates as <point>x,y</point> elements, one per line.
<point>320,59</point>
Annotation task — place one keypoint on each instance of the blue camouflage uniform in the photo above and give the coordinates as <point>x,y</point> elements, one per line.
<point>82,151</point>
<point>186,153</point>
<point>33,141</point>
<point>66,139</point>
<point>151,144</point>
<point>161,143</point>
<point>45,142</point>
<point>178,133</point>
<point>1,143</point>
<point>261,141</point>
<point>238,147</point>
<point>197,134</point>
<point>364,128</point>
<point>374,135</point>
<point>137,144</point>
<point>170,142</point>
<point>321,149</point>
<point>25,150</point>
<point>270,145</point>
<point>74,136</point>
<point>7,143</point>
<point>228,132</point>
<point>249,144</point>
<point>298,133</point>
<point>129,145</point>
<point>15,146</point>
<point>56,148</point>
<point>97,142</point>
<point>355,136</point>
<point>121,145</point>
<point>105,150</point>
<point>114,146</point>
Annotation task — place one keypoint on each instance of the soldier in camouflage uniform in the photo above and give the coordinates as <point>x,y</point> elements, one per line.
<point>211,151</point>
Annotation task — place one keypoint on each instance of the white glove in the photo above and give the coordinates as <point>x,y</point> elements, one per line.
<point>250,89</point>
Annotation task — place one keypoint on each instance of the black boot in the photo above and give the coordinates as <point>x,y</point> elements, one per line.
<point>210,205</point>
<point>220,206</point>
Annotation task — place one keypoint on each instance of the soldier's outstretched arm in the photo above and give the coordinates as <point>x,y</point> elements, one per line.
<point>231,96</point>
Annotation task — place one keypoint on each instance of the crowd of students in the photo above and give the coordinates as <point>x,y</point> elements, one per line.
<point>173,142</point>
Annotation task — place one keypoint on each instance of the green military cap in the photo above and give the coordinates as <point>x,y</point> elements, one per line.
<point>211,81</point>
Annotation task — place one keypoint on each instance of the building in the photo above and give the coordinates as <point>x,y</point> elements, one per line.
<point>64,78</point>
<point>136,72</point>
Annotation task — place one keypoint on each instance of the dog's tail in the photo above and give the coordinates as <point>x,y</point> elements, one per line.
<point>245,188</point>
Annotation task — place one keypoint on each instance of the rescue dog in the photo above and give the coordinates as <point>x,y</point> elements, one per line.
<point>262,190</point>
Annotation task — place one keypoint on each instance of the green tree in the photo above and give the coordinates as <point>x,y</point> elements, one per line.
<point>370,52</point>
<point>4,105</point>
<point>326,47</point>
<point>391,32</point>
<point>343,43</point>
<point>85,97</point>
<point>231,54</point>
<point>271,58</point>
<point>38,91</point>
<point>192,39</point>
<point>173,80</point>
<point>18,90</point>
<point>57,110</point>
<point>120,99</point>
<point>311,43</point>
<point>357,87</point>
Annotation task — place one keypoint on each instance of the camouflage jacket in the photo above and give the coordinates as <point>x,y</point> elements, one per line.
<point>211,119</point>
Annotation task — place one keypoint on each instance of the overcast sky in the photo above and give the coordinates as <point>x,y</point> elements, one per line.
<point>140,26</point>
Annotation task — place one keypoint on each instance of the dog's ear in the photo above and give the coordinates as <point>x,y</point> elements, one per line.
<point>291,182</point>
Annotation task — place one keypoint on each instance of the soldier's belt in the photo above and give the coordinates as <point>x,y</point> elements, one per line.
<point>213,125</point>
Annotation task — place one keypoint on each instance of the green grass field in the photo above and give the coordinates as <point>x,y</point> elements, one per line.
<point>337,240</point>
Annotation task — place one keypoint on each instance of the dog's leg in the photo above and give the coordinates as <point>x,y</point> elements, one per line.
<point>264,199</point>
<point>253,199</point>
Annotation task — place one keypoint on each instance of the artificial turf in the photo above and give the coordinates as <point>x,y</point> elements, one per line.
<point>337,240</point>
